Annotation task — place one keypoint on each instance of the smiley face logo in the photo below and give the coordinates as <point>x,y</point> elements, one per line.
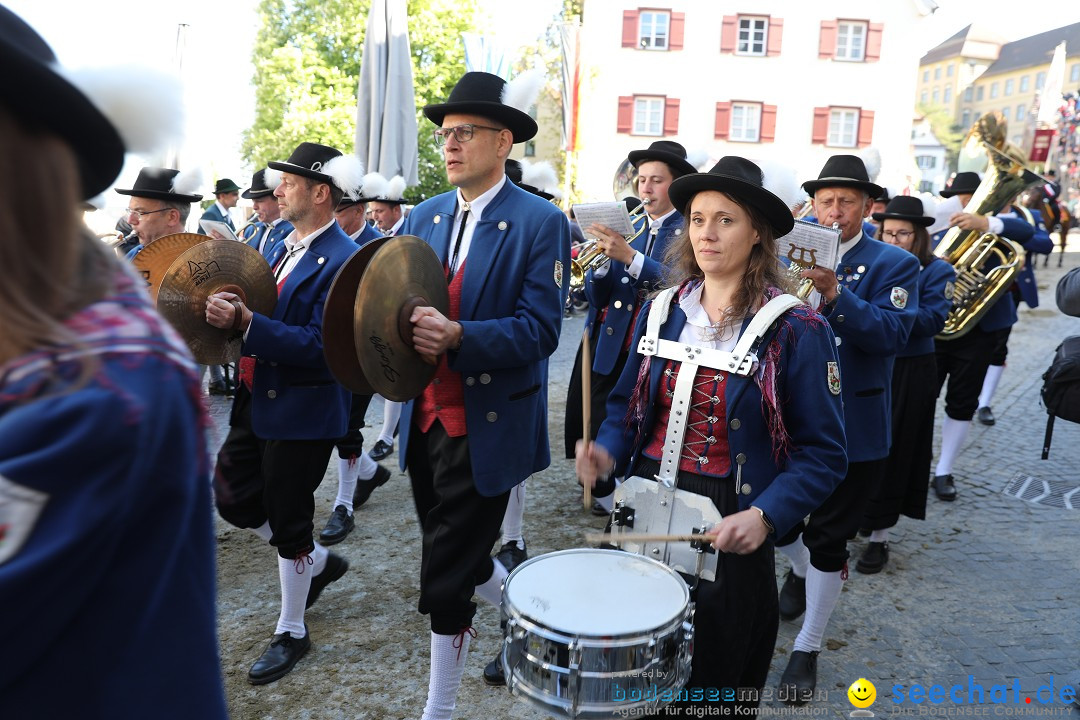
<point>862,693</point>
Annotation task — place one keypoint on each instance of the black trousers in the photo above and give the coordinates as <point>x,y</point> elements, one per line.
<point>258,480</point>
<point>837,520</point>
<point>963,363</point>
<point>459,526</point>
<point>352,444</point>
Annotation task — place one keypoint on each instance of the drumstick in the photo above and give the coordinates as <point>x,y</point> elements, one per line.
<point>614,538</point>
<point>586,404</point>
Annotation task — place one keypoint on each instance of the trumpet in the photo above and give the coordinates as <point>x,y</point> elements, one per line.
<point>590,256</point>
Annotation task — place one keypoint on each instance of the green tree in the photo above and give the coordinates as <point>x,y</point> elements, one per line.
<point>948,132</point>
<point>307,66</point>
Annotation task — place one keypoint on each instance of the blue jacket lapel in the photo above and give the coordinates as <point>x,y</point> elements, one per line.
<point>311,263</point>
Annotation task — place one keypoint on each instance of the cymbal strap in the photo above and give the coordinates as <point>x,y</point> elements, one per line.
<point>238,314</point>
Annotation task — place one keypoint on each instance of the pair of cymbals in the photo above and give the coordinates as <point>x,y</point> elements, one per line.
<point>367,332</point>
<point>153,261</point>
<point>208,267</point>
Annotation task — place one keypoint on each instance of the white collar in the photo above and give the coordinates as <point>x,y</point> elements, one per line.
<point>659,222</point>
<point>846,247</point>
<point>477,206</point>
<point>224,212</point>
<point>294,240</point>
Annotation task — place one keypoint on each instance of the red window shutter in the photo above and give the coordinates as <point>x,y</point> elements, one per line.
<point>866,127</point>
<point>678,23</point>
<point>630,28</point>
<point>671,116</point>
<point>821,125</point>
<point>723,121</point>
<point>873,42</point>
<point>827,40</point>
<point>626,114</point>
<point>768,123</point>
<point>728,31</point>
<point>776,35</point>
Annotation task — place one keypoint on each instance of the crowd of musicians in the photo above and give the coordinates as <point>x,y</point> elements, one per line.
<point>803,422</point>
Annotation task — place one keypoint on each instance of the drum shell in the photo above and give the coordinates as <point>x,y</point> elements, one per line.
<point>582,675</point>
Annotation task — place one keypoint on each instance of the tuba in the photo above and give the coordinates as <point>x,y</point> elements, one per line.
<point>986,264</point>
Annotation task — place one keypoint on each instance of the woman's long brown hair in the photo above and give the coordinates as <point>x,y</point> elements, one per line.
<point>53,267</point>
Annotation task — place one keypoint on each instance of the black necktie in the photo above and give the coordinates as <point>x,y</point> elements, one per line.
<point>457,245</point>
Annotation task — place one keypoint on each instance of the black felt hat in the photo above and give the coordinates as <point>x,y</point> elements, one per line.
<point>42,99</point>
<point>740,178</point>
<point>225,185</point>
<point>965,183</point>
<point>157,184</point>
<point>667,151</point>
<point>258,187</point>
<point>906,207</point>
<point>844,171</point>
<point>512,168</point>
<point>481,93</point>
<point>309,160</point>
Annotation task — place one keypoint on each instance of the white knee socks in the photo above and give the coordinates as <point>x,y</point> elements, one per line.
<point>366,467</point>
<point>880,535</point>
<point>514,517</point>
<point>990,383</point>
<point>391,415</point>
<point>953,434</point>
<point>294,592</point>
<point>822,594</point>
<point>264,531</point>
<point>491,589</point>
<point>799,556</point>
<point>348,471</point>
<point>448,653</point>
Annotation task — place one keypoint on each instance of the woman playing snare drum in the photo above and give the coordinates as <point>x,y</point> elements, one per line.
<point>766,448</point>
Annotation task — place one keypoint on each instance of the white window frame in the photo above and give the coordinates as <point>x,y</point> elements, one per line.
<point>1009,84</point>
<point>947,96</point>
<point>965,119</point>
<point>923,98</point>
<point>745,122</point>
<point>748,38</point>
<point>926,162</point>
<point>993,90</point>
<point>648,115</point>
<point>1021,112</point>
<point>1006,112</point>
<point>1025,83</point>
<point>1074,73</point>
<point>649,37</point>
<point>948,71</point>
<point>843,127</point>
<point>935,96</point>
<point>1040,80</point>
<point>851,41</point>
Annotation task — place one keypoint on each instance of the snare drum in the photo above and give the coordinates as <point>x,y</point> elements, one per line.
<point>596,633</point>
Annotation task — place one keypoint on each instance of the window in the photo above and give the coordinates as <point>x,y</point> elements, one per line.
<point>969,92</point>
<point>922,97</point>
<point>926,76</point>
<point>843,127</point>
<point>653,30</point>
<point>1040,80</point>
<point>948,95</point>
<point>979,93</point>
<point>648,116</point>
<point>753,35</point>
<point>1005,113</point>
<point>1074,73</point>
<point>1025,83</point>
<point>965,119</point>
<point>926,162</point>
<point>948,71</point>
<point>1008,87</point>
<point>1020,112</point>
<point>935,96</point>
<point>851,41</point>
<point>993,90</point>
<point>937,73</point>
<point>745,122</point>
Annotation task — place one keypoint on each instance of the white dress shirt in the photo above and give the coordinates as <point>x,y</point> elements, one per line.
<point>476,209</point>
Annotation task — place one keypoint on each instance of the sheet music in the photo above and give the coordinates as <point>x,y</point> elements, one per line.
<point>612,214</point>
<point>810,245</point>
<point>225,230</point>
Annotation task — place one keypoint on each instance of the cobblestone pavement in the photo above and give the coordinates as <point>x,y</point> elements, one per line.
<point>983,592</point>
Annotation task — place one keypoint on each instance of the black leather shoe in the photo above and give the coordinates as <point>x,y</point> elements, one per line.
<point>944,487</point>
<point>510,555</point>
<point>598,510</point>
<point>865,532</point>
<point>986,415</point>
<point>338,526</point>
<point>335,568</point>
<point>218,387</point>
<point>381,451</point>
<point>799,680</point>
<point>792,596</point>
<point>278,659</point>
<point>364,488</point>
<point>873,558</point>
<point>493,672</point>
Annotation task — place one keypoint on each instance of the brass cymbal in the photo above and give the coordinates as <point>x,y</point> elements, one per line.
<point>199,272</point>
<point>339,338</point>
<point>154,260</point>
<point>404,274</point>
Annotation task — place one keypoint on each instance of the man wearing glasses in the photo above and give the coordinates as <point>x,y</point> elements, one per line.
<point>480,427</point>
<point>160,203</point>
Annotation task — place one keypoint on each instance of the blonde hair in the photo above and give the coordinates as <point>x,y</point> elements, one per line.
<point>53,266</point>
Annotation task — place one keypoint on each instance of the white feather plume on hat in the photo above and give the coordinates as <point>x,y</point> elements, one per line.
<point>521,92</point>
<point>272,178</point>
<point>146,120</point>
<point>375,185</point>
<point>188,182</point>
<point>347,172</point>
<point>540,175</point>
<point>782,182</point>
<point>395,189</point>
<point>698,158</point>
<point>871,158</point>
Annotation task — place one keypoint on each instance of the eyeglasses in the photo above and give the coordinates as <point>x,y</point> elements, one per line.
<point>897,234</point>
<point>142,213</point>
<point>462,133</point>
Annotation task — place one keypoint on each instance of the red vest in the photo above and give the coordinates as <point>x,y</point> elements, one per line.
<point>705,445</point>
<point>444,397</point>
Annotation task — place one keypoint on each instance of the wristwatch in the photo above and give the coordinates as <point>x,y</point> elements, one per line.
<point>764,518</point>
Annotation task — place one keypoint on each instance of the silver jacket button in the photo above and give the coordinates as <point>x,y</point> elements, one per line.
<point>271,394</point>
<point>735,424</point>
<point>485,378</point>
<point>492,417</point>
<point>470,381</point>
